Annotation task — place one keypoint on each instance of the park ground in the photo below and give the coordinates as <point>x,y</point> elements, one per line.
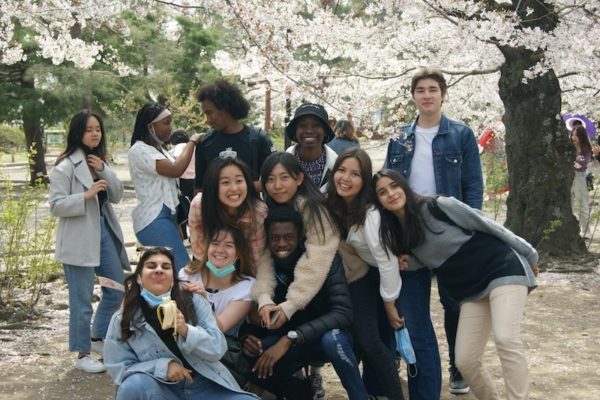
<point>561,331</point>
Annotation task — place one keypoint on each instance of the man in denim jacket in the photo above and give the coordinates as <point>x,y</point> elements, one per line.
<point>438,156</point>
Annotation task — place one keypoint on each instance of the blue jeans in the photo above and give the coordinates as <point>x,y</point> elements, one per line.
<point>144,387</point>
<point>81,290</point>
<point>413,303</point>
<point>163,232</point>
<point>334,346</point>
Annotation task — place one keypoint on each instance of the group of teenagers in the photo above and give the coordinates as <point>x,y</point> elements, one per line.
<point>300,258</point>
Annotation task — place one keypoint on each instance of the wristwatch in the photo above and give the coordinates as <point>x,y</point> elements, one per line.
<point>293,336</point>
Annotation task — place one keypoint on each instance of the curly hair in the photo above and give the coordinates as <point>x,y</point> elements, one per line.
<point>226,97</point>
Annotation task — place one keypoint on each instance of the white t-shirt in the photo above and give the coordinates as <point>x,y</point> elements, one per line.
<point>240,291</point>
<point>422,176</point>
<point>365,240</point>
<point>151,189</point>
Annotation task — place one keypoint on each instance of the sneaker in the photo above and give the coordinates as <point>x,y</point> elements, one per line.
<point>89,364</point>
<point>316,382</point>
<point>457,384</point>
<point>98,347</point>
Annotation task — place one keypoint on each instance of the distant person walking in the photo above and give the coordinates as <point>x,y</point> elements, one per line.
<point>579,190</point>
<point>89,240</point>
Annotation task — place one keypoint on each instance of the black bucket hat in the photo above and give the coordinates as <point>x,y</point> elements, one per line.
<point>316,110</point>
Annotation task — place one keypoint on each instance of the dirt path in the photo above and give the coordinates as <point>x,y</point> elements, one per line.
<point>561,331</point>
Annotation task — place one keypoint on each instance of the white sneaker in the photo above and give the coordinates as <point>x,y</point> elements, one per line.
<point>98,347</point>
<point>90,364</point>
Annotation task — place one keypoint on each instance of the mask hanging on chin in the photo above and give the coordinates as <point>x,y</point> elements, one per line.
<point>154,136</point>
<point>220,272</point>
<point>153,300</point>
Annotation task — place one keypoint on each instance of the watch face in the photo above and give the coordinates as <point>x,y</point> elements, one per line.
<point>293,335</point>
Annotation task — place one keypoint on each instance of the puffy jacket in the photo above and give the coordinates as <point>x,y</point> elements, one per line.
<point>330,309</point>
<point>456,162</point>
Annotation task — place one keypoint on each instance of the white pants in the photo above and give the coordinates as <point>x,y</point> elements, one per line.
<point>501,313</point>
<point>580,199</point>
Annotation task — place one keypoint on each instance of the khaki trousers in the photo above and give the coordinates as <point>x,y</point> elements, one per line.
<point>501,313</point>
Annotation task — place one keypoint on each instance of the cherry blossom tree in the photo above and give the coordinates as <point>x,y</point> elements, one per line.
<point>502,57</point>
<point>524,60</point>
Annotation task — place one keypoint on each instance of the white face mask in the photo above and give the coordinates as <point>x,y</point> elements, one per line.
<point>154,136</point>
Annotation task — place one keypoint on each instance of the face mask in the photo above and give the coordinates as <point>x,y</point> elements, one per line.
<point>154,136</point>
<point>220,272</point>
<point>405,349</point>
<point>152,299</point>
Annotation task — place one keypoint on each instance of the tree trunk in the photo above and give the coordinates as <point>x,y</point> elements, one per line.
<point>32,126</point>
<point>540,157</point>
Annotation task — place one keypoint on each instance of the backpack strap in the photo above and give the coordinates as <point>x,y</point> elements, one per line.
<point>254,136</point>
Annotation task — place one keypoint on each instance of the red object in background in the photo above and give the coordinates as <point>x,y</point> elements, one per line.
<point>484,139</point>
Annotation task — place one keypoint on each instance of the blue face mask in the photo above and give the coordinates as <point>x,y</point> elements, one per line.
<point>220,272</point>
<point>405,349</point>
<point>152,299</point>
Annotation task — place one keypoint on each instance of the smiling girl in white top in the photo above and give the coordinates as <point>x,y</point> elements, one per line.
<point>223,276</point>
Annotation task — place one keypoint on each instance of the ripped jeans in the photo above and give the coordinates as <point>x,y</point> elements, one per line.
<point>335,346</point>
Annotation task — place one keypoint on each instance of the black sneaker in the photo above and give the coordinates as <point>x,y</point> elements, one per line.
<point>457,384</point>
<point>316,383</point>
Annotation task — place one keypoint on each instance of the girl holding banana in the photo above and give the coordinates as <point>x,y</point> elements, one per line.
<point>165,342</point>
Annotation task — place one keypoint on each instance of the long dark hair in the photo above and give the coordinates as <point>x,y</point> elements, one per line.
<point>355,213</point>
<point>77,128</point>
<point>400,236</point>
<point>144,117</point>
<point>214,216</point>
<point>314,206</point>
<point>243,265</point>
<point>584,141</point>
<point>132,301</point>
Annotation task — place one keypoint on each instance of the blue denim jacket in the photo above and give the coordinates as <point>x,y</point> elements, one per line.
<point>456,162</point>
<point>146,353</point>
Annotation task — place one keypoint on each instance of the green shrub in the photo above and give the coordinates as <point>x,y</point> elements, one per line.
<point>26,242</point>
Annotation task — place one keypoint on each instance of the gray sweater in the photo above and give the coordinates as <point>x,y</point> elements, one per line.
<point>443,240</point>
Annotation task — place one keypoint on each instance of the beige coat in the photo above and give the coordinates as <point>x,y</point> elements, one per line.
<point>78,232</point>
<point>310,272</point>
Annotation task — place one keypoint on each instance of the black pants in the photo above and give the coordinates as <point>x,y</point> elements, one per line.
<point>451,315</point>
<point>375,352</point>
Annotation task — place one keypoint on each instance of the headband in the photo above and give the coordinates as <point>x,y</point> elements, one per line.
<point>164,114</point>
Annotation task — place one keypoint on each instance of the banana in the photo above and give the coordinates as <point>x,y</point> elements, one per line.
<point>167,314</point>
